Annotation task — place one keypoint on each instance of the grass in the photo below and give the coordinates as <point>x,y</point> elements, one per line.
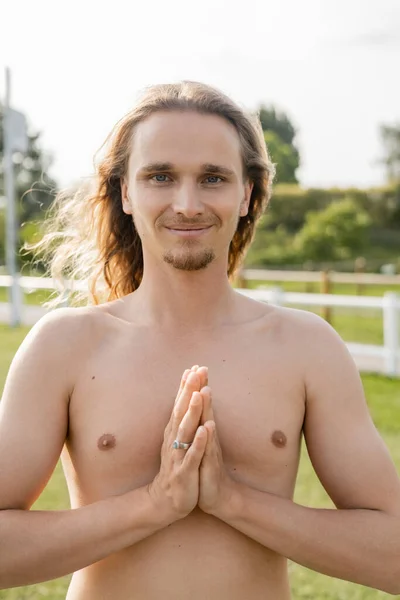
<point>383,396</point>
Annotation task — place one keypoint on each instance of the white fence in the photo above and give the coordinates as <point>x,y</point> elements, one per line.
<point>384,359</point>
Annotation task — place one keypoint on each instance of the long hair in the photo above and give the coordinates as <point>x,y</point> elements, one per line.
<point>87,236</point>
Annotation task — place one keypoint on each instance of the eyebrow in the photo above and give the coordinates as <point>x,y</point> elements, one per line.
<point>167,166</point>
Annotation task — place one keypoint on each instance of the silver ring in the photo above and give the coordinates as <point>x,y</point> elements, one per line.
<point>177,445</point>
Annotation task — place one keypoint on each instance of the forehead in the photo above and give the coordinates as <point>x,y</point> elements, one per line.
<point>185,139</point>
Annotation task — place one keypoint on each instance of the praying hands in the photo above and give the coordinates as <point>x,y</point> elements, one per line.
<point>192,472</point>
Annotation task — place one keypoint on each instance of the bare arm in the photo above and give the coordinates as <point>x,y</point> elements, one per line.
<point>41,545</point>
<point>361,541</point>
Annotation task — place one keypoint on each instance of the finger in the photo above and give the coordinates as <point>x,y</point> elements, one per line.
<point>186,388</point>
<point>182,402</point>
<point>203,373</point>
<point>190,385</point>
<point>209,450</point>
<point>211,428</point>
<point>208,413</point>
<point>189,424</point>
<point>183,381</point>
<point>194,455</point>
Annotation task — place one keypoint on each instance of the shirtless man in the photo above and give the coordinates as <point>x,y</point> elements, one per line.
<point>214,520</point>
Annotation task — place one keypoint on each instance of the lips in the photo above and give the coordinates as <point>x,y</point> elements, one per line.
<point>189,232</point>
<point>188,228</point>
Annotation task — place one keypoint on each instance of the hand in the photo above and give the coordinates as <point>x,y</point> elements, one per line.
<point>175,489</point>
<point>216,485</point>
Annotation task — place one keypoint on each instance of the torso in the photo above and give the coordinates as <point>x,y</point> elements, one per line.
<point>121,403</point>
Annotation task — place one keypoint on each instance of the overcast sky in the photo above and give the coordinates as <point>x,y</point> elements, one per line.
<point>333,65</point>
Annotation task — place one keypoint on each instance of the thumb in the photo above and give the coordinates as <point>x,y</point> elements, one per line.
<point>209,450</point>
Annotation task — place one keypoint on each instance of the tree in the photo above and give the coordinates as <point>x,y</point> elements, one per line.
<point>35,189</point>
<point>336,233</point>
<point>390,136</point>
<point>284,157</point>
<point>279,135</point>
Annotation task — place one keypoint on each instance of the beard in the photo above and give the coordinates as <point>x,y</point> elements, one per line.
<point>189,259</point>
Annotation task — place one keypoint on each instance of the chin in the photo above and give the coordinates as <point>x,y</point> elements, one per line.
<point>189,261</point>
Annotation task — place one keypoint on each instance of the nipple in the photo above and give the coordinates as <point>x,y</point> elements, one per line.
<point>278,438</point>
<point>106,442</point>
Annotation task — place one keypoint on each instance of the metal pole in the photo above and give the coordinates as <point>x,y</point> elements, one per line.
<point>11,221</point>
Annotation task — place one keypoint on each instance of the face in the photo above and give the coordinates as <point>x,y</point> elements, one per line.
<point>184,187</point>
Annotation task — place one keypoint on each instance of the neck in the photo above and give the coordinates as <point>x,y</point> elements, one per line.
<point>182,300</point>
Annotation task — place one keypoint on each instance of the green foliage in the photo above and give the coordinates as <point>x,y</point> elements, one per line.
<point>287,215</point>
<point>279,135</point>
<point>290,204</point>
<point>284,156</point>
<point>278,122</point>
<point>336,233</point>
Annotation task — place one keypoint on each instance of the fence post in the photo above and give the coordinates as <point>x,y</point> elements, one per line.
<point>359,267</point>
<point>391,331</point>
<point>326,288</point>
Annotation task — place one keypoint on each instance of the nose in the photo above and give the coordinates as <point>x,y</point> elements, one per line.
<point>187,201</point>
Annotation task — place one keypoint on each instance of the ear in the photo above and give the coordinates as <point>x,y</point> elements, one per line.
<point>126,205</point>
<point>244,206</point>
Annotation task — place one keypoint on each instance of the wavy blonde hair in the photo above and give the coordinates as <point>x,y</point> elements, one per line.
<point>87,236</point>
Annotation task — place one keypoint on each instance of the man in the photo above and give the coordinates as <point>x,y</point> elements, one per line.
<point>186,494</point>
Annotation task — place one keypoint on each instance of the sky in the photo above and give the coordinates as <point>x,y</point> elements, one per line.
<point>332,65</point>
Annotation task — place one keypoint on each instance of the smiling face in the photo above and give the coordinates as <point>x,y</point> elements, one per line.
<point>185,172</point>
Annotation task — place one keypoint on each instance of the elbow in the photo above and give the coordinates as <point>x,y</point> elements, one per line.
<point>393,590</point>
<point>392,585</point>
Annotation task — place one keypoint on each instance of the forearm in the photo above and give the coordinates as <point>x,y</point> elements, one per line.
<point>41,545</point>
<point>357,545</point>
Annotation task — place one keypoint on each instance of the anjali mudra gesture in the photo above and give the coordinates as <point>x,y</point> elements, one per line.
<point>159,237</point>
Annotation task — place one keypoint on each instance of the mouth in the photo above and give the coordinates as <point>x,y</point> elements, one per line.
<point>189,232</point>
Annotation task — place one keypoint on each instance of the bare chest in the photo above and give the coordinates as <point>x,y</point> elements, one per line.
<point>124,397</point>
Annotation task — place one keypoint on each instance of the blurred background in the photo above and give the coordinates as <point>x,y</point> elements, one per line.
<point>322,73</point>
<point>323,76</point>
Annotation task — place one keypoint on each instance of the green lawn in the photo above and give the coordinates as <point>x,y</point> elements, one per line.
<point>383,395</point>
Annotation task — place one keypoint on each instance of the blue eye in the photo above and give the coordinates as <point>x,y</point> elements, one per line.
<point>215,178</point>
<point>160,178</point>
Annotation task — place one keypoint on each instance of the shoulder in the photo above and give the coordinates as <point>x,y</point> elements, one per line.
<point>303,324</point>
<point>62,339</point>
<point>64,324</point>
<point>324,358</point>
<point>314,345</point>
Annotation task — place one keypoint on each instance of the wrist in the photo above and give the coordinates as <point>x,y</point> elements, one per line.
<point>161,509</point>
<point>231,502</point>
